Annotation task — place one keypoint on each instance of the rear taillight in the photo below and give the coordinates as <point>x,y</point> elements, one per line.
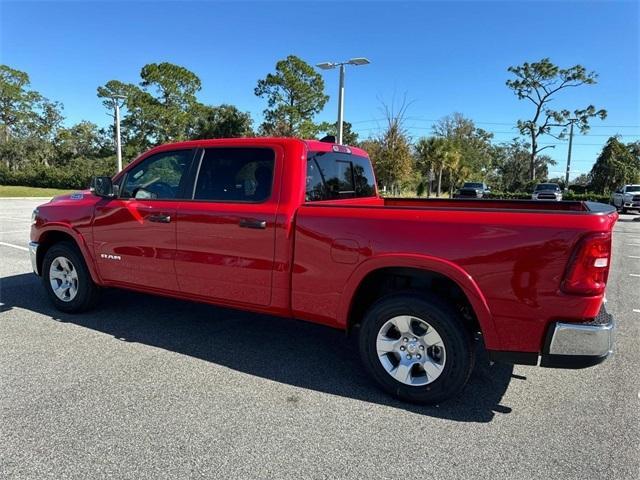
<point>588,268</point>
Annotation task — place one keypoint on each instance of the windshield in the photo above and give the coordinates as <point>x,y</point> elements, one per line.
<point>633,188</point>
<point>547,186</point>
<point>472,185</point>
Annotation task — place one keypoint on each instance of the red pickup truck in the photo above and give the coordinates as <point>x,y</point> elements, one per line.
<point>296,228</point>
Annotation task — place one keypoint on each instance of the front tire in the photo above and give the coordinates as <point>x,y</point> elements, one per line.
<point>416,347</point>
<point>67,280</point>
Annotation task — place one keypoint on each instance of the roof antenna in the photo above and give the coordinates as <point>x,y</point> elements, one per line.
<point>328,139</point>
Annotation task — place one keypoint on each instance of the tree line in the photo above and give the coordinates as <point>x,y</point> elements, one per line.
<point>36,148</point>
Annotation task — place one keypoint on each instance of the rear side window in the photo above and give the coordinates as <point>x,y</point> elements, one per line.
<point>235,175</point>
<point>332,176</point>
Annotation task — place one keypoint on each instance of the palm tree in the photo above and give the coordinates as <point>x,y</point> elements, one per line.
<point>457,171</point>
<point>424,160</point>
<point>432,156</point>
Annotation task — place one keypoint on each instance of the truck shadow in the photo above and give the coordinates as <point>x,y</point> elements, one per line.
<point>287,351</point>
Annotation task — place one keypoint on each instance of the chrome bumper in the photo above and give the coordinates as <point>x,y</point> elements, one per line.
<point>579,345</point>
<point>33,253</point>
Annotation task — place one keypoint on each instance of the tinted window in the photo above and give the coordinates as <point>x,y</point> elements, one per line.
<point>157,177</point>
<point>338,175</point>
<point>235,175</point>
<point>633,188</point>
<point>547,186</point>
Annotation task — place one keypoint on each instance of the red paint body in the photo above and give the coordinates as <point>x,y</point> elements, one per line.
<point>509,258</point>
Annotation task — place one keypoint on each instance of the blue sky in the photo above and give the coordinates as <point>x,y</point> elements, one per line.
<point>445,56</point>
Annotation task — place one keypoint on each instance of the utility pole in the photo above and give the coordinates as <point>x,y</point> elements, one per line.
<point>566,178</point>
<point>328,66</point>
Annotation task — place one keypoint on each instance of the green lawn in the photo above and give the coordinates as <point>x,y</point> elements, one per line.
<point>16,191</point>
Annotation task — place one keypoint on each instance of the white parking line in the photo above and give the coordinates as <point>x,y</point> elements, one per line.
<point>633,256</point>
<point>636,310</point>
<point>634,274</point>
<point>26,249</point>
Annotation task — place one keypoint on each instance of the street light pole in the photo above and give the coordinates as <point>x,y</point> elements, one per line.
<point>341,105</point>
<point>116,106</point>
<point>118,145</point>
<point>328,66</point>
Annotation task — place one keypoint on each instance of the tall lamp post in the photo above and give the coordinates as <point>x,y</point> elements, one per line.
<point>330,65</point>
<point>116,99</point>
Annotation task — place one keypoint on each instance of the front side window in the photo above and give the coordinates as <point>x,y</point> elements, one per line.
<point>158,177</point>
<point>235,175</point>
<point>332,176</point>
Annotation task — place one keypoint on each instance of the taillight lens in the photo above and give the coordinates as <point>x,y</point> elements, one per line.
<point>588,268</point>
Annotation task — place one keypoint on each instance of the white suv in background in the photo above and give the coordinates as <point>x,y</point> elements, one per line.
<point>547,191</point>
<point>626,198</point>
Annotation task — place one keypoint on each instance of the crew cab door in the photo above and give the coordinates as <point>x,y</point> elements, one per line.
<point>226,231</point>
<point>134,235</point>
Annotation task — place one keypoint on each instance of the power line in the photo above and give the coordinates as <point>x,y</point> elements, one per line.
<point>502,132</point>
<point>422,119</point>
<point>515,133</point>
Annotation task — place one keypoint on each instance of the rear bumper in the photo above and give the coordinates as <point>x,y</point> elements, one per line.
<point>33,253</point>
<point>569,345</point>
<point>579,345</point>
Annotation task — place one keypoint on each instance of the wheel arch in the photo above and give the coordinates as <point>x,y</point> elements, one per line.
<point>354,302</point>
<point>54,234</point>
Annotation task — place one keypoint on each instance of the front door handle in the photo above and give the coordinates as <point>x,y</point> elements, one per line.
<point>160,218</point>
<point>252,223</point>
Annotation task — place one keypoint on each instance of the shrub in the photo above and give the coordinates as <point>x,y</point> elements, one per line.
<point>588,196</point>
<point>77,174</point>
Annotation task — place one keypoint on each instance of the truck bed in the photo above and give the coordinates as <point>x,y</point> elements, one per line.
<point>491,204</point>
<point>513,252</point>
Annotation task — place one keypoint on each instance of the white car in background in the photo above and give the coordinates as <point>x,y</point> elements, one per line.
<point>547,191</point>
<point>626,198</point>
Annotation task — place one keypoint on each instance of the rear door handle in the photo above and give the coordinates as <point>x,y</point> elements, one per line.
<point>159,218</point>
<point>252,223</point>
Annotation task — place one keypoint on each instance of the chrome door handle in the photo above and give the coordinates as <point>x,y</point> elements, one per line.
<point>160,218</point>
<point>252,223</point>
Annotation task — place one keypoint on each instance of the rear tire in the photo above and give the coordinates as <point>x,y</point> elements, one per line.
<point>67,280</point>
<point>430,361</point>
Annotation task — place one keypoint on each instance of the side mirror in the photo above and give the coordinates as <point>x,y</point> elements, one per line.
<point>102,187</point>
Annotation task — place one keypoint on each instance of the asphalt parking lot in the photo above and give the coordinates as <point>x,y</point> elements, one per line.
<point>146,387</point>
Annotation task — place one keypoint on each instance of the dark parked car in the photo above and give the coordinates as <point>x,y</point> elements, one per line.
<point>473,190</point>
